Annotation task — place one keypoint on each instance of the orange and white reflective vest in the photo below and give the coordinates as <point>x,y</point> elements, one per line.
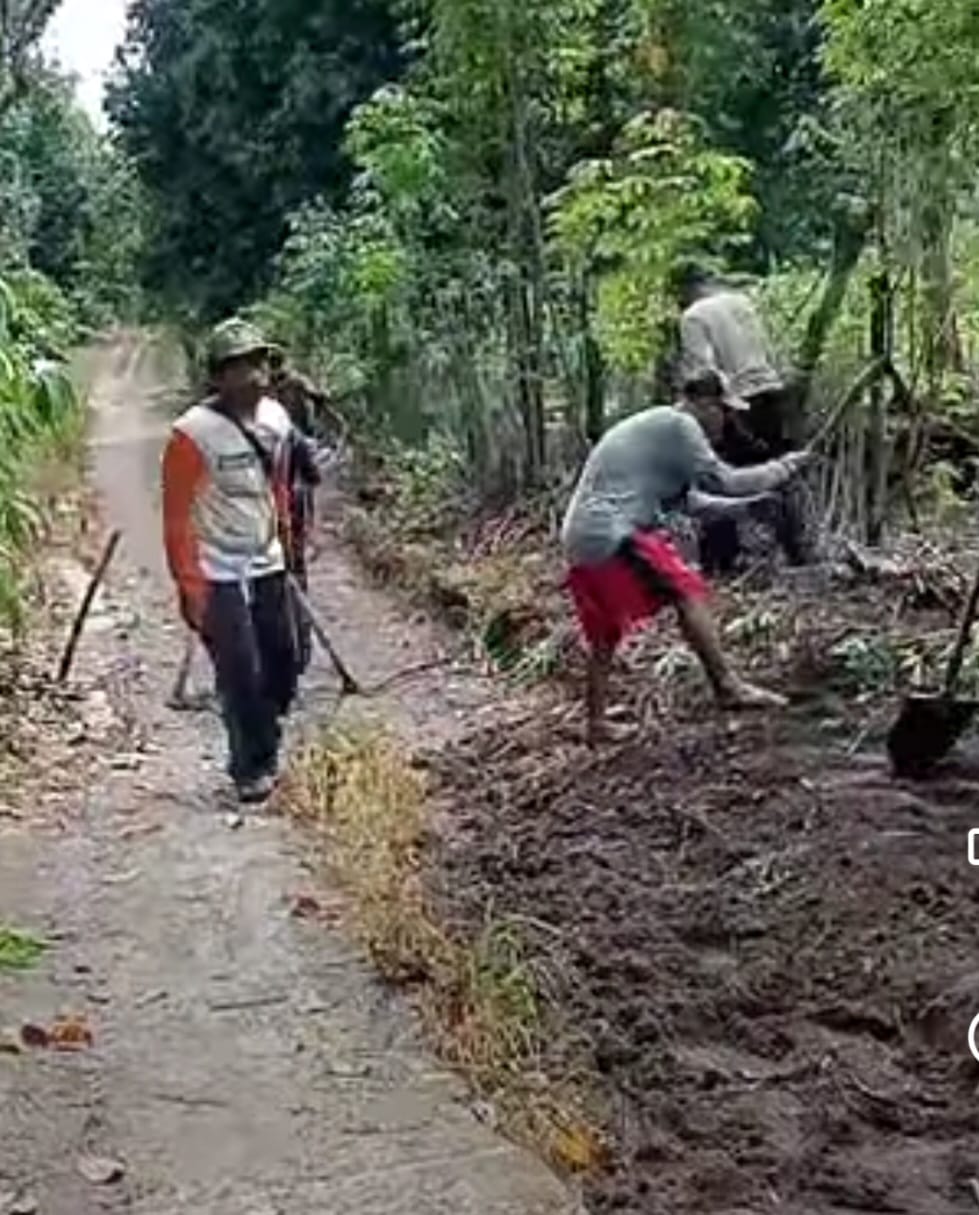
<point>223,515</point>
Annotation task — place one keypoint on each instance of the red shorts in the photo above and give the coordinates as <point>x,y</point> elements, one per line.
<point>614,598</point>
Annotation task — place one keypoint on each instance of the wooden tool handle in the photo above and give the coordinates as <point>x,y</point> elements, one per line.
<point>954,668</point>
<point>350,685</point>
<point>844,404</point>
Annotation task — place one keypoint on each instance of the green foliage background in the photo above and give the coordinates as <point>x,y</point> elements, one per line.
<point>463,215</point>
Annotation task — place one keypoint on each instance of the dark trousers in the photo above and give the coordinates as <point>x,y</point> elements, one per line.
<point>766,433</point>
<point>251,641</point>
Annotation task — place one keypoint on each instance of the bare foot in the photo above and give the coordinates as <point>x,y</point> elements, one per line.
<point>744,695</point>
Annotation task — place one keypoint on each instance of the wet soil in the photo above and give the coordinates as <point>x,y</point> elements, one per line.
<point>762,945</point>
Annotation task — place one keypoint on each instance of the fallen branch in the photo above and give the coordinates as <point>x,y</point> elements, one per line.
<point>852,394</point>
<point>64,670</point>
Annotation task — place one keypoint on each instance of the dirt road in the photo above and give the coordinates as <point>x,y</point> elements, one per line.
<point>244,1062</point>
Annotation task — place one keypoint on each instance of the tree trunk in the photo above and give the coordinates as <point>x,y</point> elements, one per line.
<point>383,405</point>
<point>848,245</point>
<point>516,349</point>
<point>936,228</point>
<point>594,373</point>
<point>881,350</point>
<point>526,245</point>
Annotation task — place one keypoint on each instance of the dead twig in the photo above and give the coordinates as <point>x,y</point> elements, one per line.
<point>246,1004</point>
<point>64,670</point>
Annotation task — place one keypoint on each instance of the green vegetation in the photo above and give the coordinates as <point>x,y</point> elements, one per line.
<point>233,116</point>
<point>19,950</point>
<point>464,213</point>
<point>70,205</point>
<point>39,417</point>
<point>71,229</point>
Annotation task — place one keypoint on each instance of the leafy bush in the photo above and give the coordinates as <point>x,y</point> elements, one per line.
<point>664,195</point>
<point>425,480</point>
<point>39,413</point>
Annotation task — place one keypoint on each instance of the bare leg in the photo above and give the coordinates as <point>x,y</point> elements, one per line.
<point>601,732</point>
<point>700,631</point>
<point>599,668</point>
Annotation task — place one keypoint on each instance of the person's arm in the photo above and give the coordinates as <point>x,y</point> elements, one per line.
<point>280,483</point>
<point>305,407</point>
<point>739,437</point>
<point>711,474</point>
<point>184,477</point>
<point>327,412</point>
<point>323,410</point>
<point>304,459</point>
<point>709,507</point>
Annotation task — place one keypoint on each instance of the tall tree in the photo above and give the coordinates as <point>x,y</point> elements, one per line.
<point>234,115</point>
<point>22,23</point>
<point>751,70</point>
<point>70,206</point>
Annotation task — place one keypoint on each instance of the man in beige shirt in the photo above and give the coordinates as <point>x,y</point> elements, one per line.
<point>721,331</point>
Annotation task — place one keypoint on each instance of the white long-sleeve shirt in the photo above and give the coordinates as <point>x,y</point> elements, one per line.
<point>723,332</point>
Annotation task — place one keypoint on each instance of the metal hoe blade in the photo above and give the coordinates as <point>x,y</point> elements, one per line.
<point>928,727</point>
<point>926,730</point>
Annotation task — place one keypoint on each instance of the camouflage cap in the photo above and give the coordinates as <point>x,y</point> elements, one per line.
<point>234,339</point>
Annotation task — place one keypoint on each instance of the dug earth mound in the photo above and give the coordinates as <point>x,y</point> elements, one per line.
<point>761,944</point>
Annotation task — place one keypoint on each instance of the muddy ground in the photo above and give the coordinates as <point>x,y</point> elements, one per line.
<point>760,943</point>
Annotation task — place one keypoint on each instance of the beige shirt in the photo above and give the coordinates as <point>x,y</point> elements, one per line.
<point>723,332</point>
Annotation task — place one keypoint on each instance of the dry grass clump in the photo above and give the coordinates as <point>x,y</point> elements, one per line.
<point>478,997</point>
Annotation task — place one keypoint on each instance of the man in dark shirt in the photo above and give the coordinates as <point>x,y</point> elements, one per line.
<point>306,405</point>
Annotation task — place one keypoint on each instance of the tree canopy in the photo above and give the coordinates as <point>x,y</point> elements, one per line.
<point>22,24</point>
<point>233,114</point>
<point>465,212</point>
<point>71,208</point>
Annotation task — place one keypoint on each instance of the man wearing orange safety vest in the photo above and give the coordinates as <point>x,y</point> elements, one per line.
<point>226,518</point>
